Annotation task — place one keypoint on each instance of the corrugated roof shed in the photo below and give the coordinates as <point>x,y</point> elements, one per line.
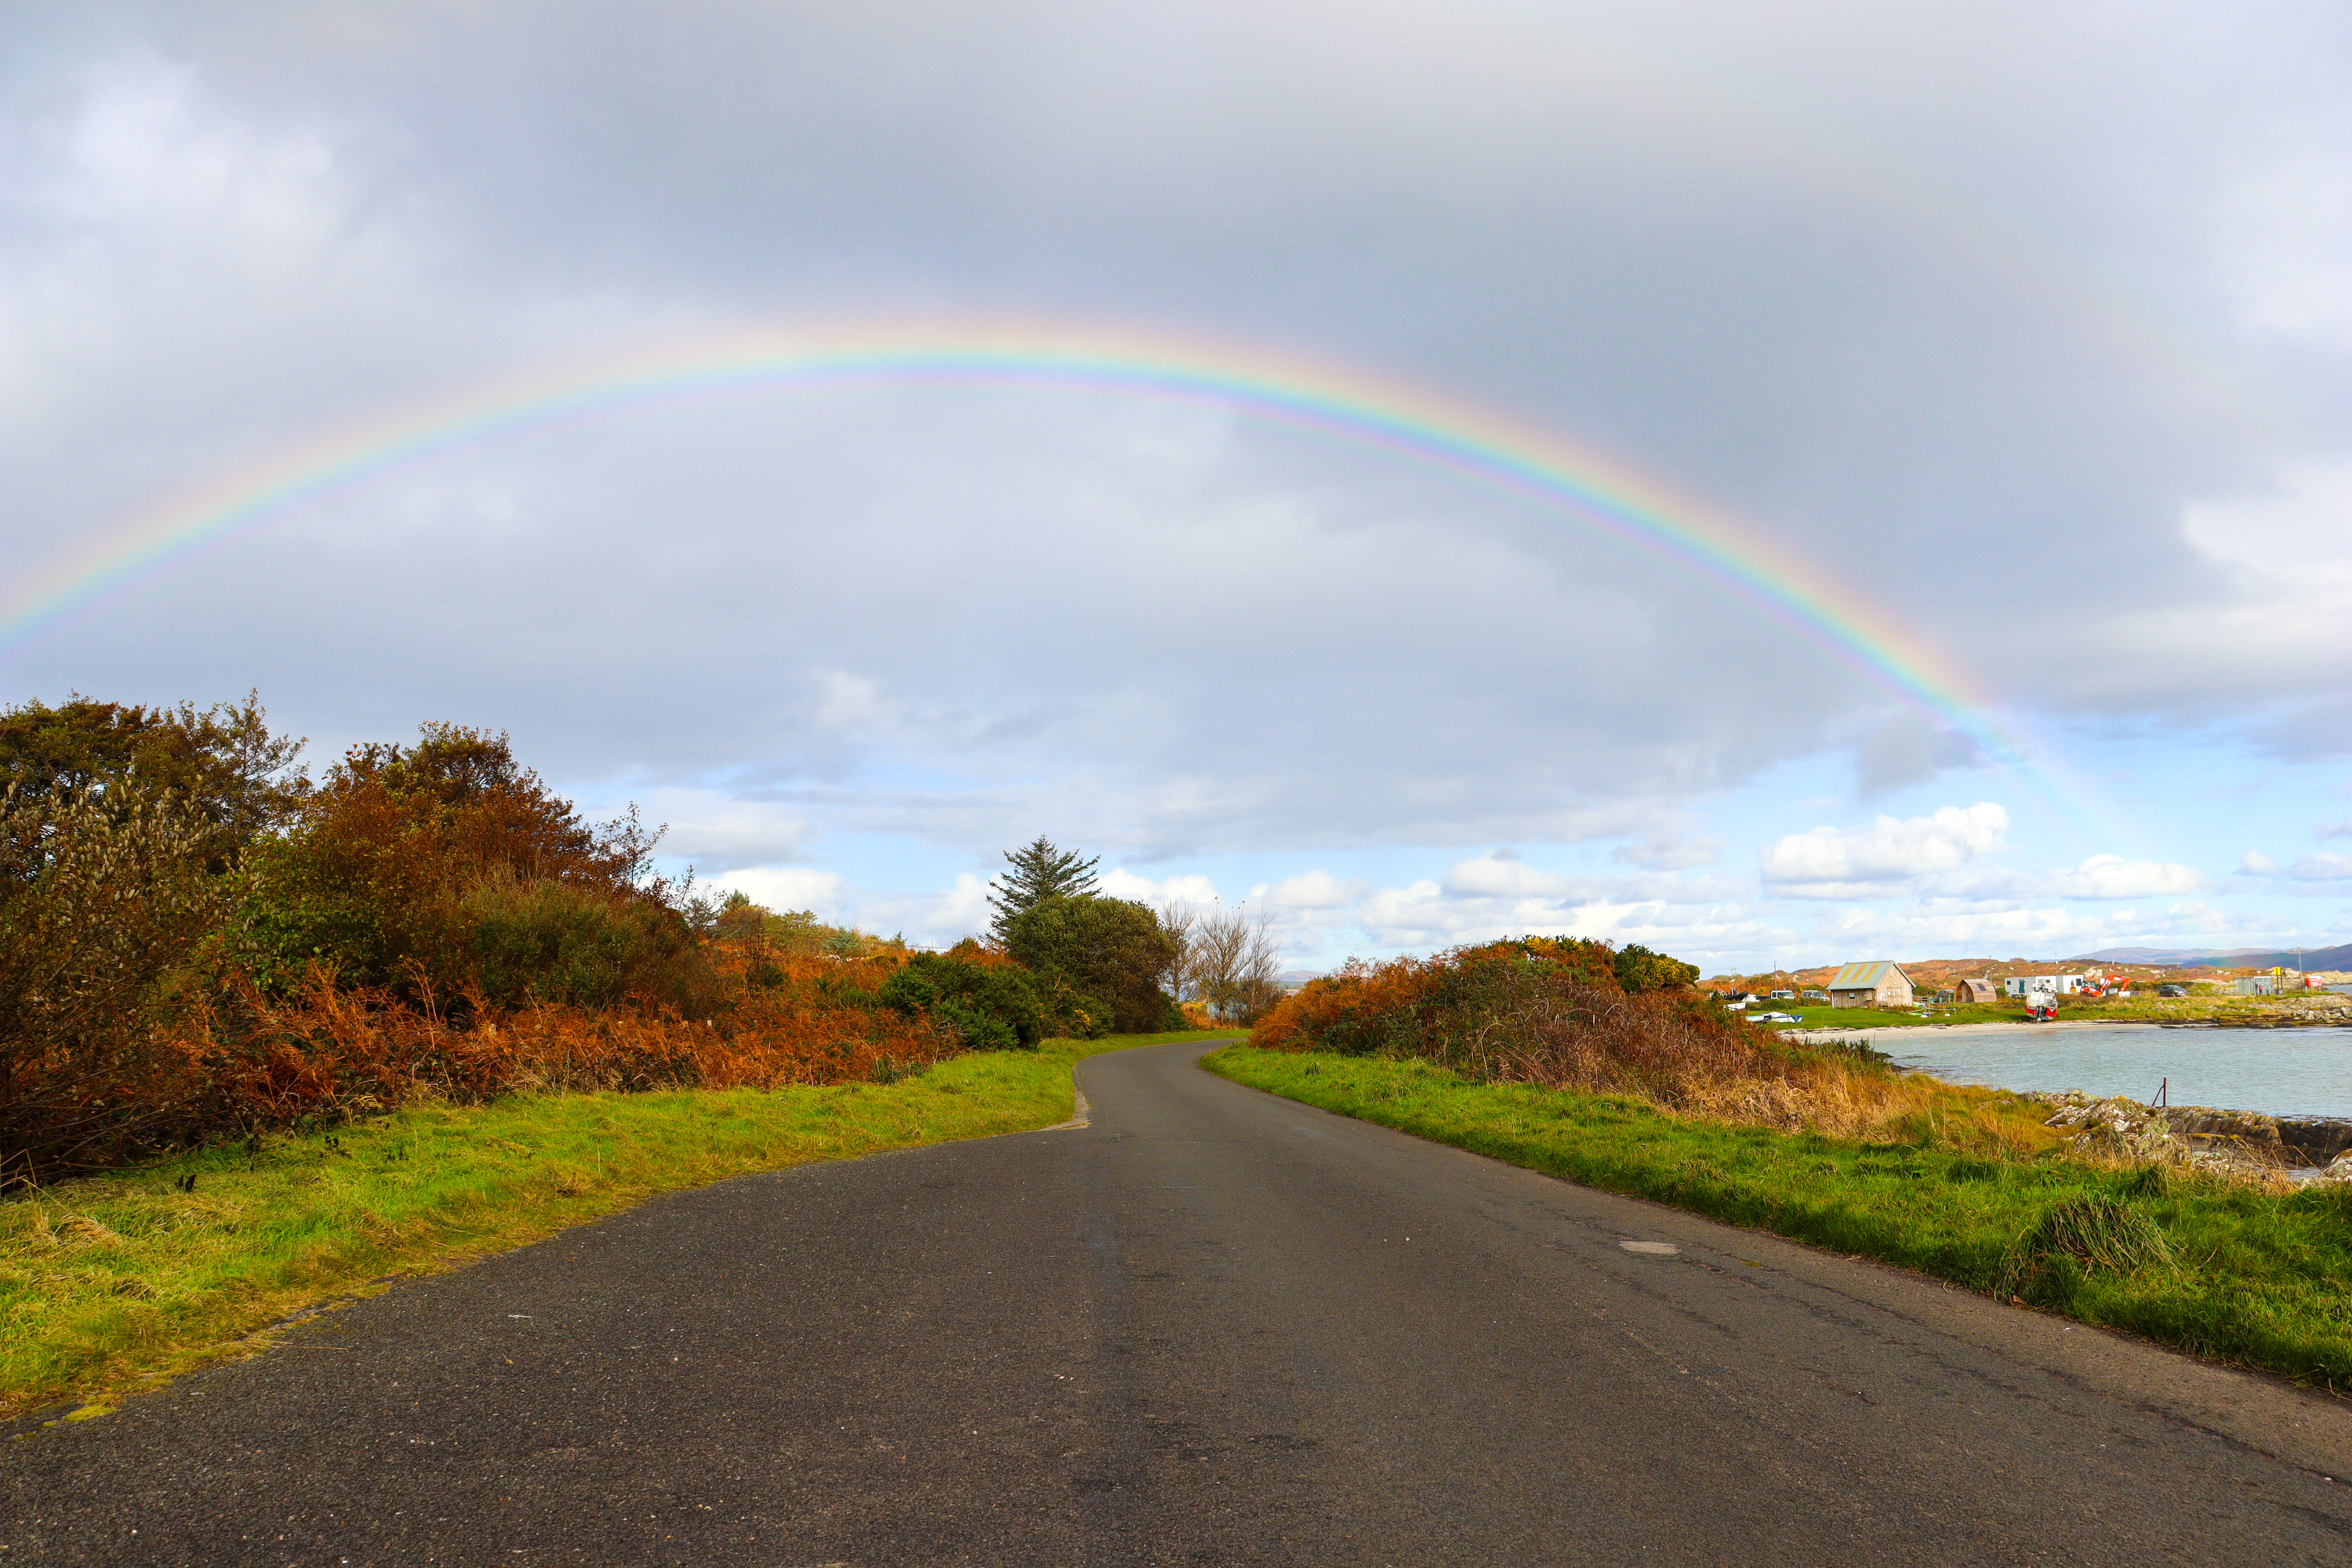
<point>1860,976</point>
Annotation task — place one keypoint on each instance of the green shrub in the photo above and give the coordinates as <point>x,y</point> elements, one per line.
<point>1638,968</point>
<point>554,942</point>
<point>992,1006</point>
<point>1087,1017</point>
<point>1112,949</point>
<point>2076,1236</point>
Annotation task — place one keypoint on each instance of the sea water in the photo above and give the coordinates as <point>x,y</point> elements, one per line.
<point>2280,1072</point>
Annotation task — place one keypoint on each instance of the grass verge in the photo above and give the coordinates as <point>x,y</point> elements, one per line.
<point>1813,1015</point>
<point>2244,1276</point>
<point>109,1283</point>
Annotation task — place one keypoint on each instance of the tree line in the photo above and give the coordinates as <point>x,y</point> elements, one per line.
<point>199,939</point>
<point>1052,916</point>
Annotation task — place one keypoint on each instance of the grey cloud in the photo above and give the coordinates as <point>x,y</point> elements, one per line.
<point>1907,749</point>
<point>808,628</point>
<point>2315,730</point>
<point>1946,355</point>
<point>1669,853</point>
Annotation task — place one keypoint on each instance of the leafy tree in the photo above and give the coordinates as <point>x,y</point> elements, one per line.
<point>102,905</point>
<point>221,761</point>
<point>1039,871</point>
<point>449,863</point>
<point>1113,949</point>
<point>1639,968</point>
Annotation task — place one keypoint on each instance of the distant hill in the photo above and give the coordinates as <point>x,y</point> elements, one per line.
<point>2152,964</point>
<point>2153,954</point>
<point>2226,958</point>
<point>2309,958</point>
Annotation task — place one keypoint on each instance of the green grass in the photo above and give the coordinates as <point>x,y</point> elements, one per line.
<point>1818,1015</point>
<point>110,1282</point>
<point>2244,1276</point>
<point>1170,1036</point>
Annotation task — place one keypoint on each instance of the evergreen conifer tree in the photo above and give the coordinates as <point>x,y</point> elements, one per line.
<point>1039,871</point>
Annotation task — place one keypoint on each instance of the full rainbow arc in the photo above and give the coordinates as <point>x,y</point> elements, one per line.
<point>1479,443</point>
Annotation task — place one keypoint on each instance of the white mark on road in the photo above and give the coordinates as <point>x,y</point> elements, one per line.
<point>1650,1249</point>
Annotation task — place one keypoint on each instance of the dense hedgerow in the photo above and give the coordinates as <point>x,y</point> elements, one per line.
<point>199,941</point>
<point>1566,1013</point>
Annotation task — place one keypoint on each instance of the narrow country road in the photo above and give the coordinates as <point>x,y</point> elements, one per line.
<point>1209,1327</point>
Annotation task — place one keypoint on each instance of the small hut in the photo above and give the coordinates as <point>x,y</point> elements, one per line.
<point>1877,983</point>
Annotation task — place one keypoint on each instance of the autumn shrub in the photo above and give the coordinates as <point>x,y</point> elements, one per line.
<point>197,943</point>
<point>104,899</point>
<point>237,1061</point>
<point>1554,1013</point>
<point>797,931</point>
<point>418,865</point>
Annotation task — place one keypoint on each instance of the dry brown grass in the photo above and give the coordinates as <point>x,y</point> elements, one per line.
<point>1550,1015</point>
<point>235,1063</point>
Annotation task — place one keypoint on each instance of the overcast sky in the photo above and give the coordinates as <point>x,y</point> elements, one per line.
<point>2027,327</point>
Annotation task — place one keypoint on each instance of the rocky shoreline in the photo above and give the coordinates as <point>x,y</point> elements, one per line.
<point>2237,1142</point>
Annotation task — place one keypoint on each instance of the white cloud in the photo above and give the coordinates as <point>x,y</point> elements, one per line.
<point>1121,883</point>
<point>850,702</point>
<point>1502,875</point>
<point>2321,868</point>
<point>2112,877</point>
<point>1497,895</point>
<point>936,918</point>
<point>2045,931</point>
<point>2254,863</point>
<point>717,832</point>
<point>1311,890</point>
<point>1868,862</point>
<point>2332,830</point>
<point>1424,914</point>
<point>787,888</point>
<point>2275,559</point>
<point>1321,918</point>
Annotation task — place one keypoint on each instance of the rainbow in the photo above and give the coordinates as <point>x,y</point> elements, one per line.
<point>1481,443</point>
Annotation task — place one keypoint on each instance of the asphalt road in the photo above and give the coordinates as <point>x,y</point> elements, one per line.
<point>1208,1327</point>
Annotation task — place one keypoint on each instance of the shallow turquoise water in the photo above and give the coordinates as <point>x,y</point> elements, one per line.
<point>2281,1072</point>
